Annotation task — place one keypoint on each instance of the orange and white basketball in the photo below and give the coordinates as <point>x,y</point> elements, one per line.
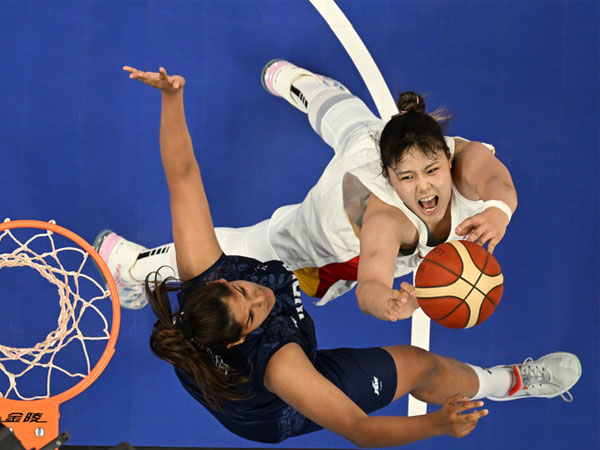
<point>459,284</point>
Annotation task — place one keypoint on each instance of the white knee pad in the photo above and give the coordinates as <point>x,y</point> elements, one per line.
<point>334,115</point>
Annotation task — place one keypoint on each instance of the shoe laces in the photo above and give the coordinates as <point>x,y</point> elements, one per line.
<point>536,375</point>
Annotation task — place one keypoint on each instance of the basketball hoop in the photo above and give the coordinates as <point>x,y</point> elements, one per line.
<point>34,419</point>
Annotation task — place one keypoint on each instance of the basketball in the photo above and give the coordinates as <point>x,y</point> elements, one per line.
<point>459,284</point>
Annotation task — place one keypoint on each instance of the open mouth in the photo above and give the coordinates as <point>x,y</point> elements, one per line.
<point>429,205</point>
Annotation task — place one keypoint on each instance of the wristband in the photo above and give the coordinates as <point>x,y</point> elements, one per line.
<point>500,205</point>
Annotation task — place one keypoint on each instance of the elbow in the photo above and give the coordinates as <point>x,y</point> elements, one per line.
<point>360,435</point>
<point>361,298</point>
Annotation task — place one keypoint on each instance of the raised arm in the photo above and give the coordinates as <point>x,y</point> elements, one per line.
<point>292,377</point>
<point>381,236</point>
<point>193,232</point>
<point>479,175</point>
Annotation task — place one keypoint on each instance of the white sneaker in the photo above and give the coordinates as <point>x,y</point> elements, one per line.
<point>278,75</point>
<point>120,255</point>
<point>550,376</point>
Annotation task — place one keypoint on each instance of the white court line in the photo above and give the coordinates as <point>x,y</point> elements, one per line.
<point>386,107</point>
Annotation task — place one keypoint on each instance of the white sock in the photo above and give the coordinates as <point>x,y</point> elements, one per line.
<point>494,382</point>
<point>306,88</point>
<point>163,258</point>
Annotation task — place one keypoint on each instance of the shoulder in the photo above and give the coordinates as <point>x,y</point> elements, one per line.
<point>466,150</point>
<point>282,332</point>
<point>285,327</point>
<point>475,163</point>
<point>471,153</point>
<point>228,267</point>
<point>284,361</point>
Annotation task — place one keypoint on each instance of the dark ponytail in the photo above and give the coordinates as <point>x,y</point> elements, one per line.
<point>191,338</point>
<point>412,128</point>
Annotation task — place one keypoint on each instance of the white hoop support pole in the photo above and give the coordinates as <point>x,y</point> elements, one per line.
<point>386,108</point>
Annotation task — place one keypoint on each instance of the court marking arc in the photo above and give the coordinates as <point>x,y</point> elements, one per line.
<point>386,107</point>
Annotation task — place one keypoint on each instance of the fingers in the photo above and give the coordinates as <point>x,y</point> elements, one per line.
<point>472,229</point>
<point>133,72</point>
<point>462,422</point>
<point>137,74</point>
<point>465,405</point>
<point>464,227</point>
<point>394,305</point>
<point>461,403</point>
<point>160,80</point>
<point>397,299</point>
<point>400,305</point>
<point>492,245</point>
<point>390,315</point>
<point>468,422</point>
<point>172,80</point>
<point>475,236</point>
<point>455,399</point>
<point>408,288</point>
<point>481,235</point>
<point>488,226</point>
<point>162,75</point>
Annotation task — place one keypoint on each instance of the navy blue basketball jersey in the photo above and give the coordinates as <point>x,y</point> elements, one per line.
<point>263,416</point>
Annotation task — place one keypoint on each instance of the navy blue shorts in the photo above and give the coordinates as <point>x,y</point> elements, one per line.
<point>366,375</point>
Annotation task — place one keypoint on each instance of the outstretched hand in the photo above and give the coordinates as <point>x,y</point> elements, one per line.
<point>454,420</point>
<point>489,226</point>
<point>402,303</point>
<point>159,80</point>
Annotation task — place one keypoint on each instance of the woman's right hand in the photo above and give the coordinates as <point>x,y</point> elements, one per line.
<point>452,419</point>
<point>160,80</point>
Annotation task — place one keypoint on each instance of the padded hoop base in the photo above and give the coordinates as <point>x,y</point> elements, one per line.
<point>34,422</point>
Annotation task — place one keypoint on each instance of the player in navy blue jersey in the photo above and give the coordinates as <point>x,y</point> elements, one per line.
<point>244,347</point>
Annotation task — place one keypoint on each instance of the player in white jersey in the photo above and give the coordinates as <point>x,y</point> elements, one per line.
<point>431,189</point>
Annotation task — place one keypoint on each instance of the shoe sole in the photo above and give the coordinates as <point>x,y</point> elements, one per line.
<point>264,72</point>
<point>97,244</point>
<point>100,239</point>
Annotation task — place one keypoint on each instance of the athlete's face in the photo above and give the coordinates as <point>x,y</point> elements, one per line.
<point>250,304</point>
<point>424,184</point>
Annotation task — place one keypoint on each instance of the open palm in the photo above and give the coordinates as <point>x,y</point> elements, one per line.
<point>159,80</point>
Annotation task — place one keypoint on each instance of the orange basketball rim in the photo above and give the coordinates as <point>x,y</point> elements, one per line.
<point>35,422</point>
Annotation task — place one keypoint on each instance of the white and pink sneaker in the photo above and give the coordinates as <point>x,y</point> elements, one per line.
<point>278,75</point>
<point>120,255</point>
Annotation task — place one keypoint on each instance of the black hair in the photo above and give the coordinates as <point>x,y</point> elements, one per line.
<point>191,338</point>
<point>412,129</point>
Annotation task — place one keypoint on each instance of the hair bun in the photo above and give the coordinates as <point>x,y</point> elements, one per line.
<point>410,102</point>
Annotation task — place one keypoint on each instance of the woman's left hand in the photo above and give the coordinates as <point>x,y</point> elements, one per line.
<point>402,303</point>
<point>488,226</point>
<point>160,80</point>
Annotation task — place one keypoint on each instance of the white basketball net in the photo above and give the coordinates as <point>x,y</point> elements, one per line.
<point>72,309</point>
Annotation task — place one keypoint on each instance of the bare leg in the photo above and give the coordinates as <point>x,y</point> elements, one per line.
<point>429,377</point>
